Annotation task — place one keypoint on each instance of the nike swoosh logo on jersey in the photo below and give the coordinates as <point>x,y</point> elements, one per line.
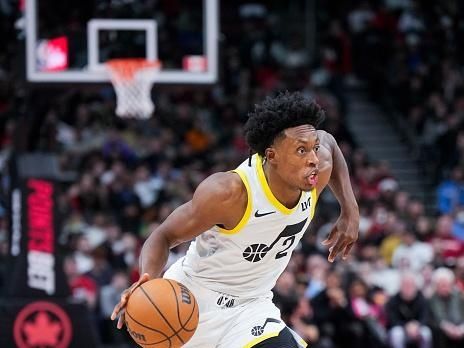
<point>257,214</point>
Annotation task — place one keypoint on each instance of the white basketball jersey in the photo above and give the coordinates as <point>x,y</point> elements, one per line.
<point>247,260</point>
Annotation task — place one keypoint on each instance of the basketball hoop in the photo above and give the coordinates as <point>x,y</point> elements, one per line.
<point>132,80</point>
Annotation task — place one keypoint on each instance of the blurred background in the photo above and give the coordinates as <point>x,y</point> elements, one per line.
<point>389,74</point>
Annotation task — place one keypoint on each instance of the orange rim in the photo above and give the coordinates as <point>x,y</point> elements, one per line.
<point>124,69</point>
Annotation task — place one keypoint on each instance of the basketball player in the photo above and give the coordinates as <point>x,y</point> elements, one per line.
<point>248,221</point>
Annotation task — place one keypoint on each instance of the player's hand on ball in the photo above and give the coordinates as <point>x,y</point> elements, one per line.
<point>343,236</point>
<point>119,309</point>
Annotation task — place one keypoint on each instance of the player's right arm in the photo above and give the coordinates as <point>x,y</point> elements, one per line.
<point>220,199</point>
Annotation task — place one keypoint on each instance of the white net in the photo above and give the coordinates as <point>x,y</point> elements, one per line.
<point>132,80</point>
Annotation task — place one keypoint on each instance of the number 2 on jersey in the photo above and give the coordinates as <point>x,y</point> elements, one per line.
<point>256,252</point>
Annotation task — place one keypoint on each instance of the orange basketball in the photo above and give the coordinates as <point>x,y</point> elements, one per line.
<point>161,313</point>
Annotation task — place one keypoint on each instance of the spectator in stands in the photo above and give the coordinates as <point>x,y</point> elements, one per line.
<point>109,296</point>
<point>459,272</point>
<point>411,254</point>
<point>102,270</point>
<point>407,316</point>
<point>301,320</point>
<point>450,193</point>
<point>285,295</point>
<point>369,315</point>
<point>83,287</point>
<point>446,246</point>
<point>316,269</point>
<point>401,202</point>
<point>392,241</point>
<point>333,316</point>
<point>458,224</point>
<point>447,310</point>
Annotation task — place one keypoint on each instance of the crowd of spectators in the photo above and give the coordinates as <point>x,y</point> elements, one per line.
<point>422,75</point>
<point>402,285</point>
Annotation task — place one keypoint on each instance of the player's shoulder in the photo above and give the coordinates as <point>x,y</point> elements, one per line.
<point>328,143</point>
<point>223,186</point>
<point>325,137</point>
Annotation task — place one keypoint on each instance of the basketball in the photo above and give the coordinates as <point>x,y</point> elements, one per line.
<point>161,313</point>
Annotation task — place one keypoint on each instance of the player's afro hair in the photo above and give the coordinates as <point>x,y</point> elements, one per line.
<point>275,114</point>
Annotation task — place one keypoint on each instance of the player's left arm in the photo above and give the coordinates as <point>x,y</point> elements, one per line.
<point>344,233</point>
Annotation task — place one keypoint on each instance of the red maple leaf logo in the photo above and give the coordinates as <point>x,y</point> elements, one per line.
<point>42,331</point>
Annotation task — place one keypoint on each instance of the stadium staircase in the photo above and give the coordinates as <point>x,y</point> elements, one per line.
<point>376,133</point>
